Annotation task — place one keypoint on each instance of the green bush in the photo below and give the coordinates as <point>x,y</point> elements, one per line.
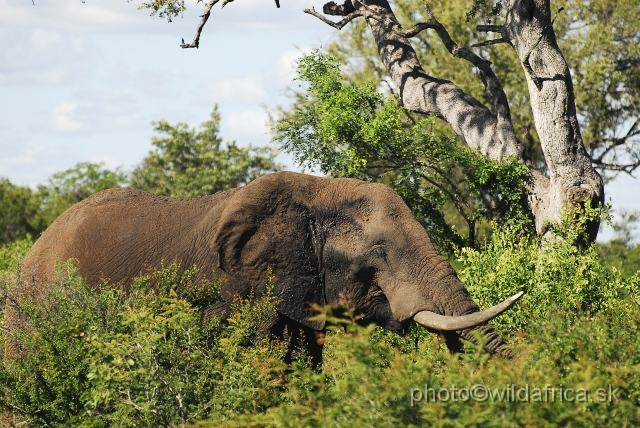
<point>621,256</point>
<point>145,357</point>
<point>20,213</point>
<point>575,334</point>
<point>12,253</point>
<point>369,382</point>
<point>556,275</point>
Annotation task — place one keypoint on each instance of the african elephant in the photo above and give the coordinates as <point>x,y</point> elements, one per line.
<point>325,240</point>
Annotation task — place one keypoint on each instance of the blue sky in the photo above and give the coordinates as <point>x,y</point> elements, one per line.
<point>82,81</point>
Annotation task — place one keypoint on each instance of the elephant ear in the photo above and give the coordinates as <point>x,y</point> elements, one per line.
<point>267,227</point>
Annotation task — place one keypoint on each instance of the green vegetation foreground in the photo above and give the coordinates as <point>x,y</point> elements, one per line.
<point>151,358</point>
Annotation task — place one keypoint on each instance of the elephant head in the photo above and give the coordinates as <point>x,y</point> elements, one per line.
<point>333,241</point>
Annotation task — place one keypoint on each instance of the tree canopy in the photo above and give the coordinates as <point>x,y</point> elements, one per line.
<point>24,211</point>
<point>509,95</point>
<point>75,184</point>
<point>188,162</point>
<point>19,212</point>
<point>600,40</point>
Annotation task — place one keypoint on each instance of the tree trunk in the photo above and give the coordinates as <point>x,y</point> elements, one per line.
<point>528,28</point>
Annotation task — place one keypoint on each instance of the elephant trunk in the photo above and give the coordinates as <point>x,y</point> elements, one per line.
<point>494,343</point>
<point>451,308</point>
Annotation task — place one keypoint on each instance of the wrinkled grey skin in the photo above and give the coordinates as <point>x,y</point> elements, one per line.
<point>326,241</point>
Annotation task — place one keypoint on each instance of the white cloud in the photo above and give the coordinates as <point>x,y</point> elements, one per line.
<point>69,14</point>
<point>123,121</point>
<point>43,40</point>
<point>123,17</point>
<point>52,76</point>
<point>248,123</point>
<point>288,60</point>
<point>108,161</point>
<point>40,57</point>
<point>21,160</point>
<point>248,89</point>
<point>85,80</point>
<point>78,44</point>
<point>62,118</point>
<point>20,155</point>
<point>154,83</point>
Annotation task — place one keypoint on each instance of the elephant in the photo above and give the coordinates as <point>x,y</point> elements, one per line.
<point>325,241</point>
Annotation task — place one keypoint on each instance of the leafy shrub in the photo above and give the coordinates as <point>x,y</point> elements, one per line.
<point>556,275</point>
<point>20,213</point>
<point>615,254</point>
<point>575,334</point>
<point>370,381</point>
<point>12,253</point>
<point>146,357</point>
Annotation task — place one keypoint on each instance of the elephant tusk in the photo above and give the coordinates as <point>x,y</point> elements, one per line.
<point>452,323</point>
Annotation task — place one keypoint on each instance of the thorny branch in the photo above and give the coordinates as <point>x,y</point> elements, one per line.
<point>204,17</point>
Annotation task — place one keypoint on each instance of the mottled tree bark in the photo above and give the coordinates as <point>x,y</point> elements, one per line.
<point>528,29</point>
<point>572,178</point>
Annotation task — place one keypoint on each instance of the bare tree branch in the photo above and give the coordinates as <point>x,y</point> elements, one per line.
<point>415,30</point>
<point>350,13</point>
<point>489,78</point>
<point>490,42</point>
<point>337,25</point>
<point>205,17</point>
<point>616,142</point>
<point>489,28</point>
<point>628,168</point>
